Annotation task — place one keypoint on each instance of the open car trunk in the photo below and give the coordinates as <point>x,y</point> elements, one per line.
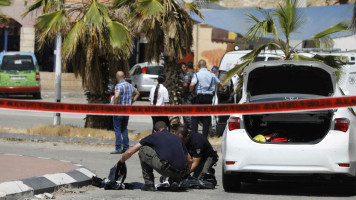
<point>284,81</point>
<point>304,127</point>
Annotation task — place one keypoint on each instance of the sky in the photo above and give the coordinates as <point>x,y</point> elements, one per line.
<point>316,19</point>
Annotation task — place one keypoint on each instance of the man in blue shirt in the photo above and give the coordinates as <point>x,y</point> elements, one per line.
<point>162,151</point>
<point>203,86</point>
<point>124,92</point>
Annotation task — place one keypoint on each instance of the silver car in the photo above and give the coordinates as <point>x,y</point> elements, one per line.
<point>144,76</point>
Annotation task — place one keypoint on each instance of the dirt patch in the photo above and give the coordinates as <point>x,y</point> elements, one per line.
<point>71,131</point>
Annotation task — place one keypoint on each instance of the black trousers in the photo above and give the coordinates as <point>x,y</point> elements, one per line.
<point>165,119</point>
<point>206,120</point>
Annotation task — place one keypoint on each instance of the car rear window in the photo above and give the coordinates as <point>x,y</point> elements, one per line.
<point>154,70</point>
<point>17,62</point>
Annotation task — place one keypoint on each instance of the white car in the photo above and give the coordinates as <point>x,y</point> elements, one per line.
<point>229,60</point>
<point>144,76</point>
<point>308,143</point>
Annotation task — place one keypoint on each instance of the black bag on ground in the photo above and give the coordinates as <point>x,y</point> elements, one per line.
<point>209,178</point>
<point>115,180</point>
<point>195,183</point>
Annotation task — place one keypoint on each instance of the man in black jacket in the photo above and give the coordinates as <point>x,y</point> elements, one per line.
<point>200,149</point>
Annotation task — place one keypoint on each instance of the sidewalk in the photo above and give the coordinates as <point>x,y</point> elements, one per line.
<point>24,176</point>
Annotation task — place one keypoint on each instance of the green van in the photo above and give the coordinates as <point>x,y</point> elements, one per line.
<point>19,74</point>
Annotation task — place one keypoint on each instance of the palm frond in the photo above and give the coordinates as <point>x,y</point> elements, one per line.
<point>52,23</point>
<point>323,38</point>
<point>289,17</point>
<point>5,2</point>
<point>262,28</point>
<point>118,34</point>
<point>237,69</point>
<point>45,6</point>
<point>353,22</point>
<point>72,39</point>
<point>34,6</point>
<point>119,3</point>
<point>3,19</point>
<point>96,15</point>
<point>194,8</point>
<point>150,7</point>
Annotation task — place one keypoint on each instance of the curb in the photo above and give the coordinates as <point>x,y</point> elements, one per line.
<point>47,183</point>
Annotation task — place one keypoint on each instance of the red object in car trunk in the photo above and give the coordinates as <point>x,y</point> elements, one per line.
<point>278,139</point>
<point>144,70</point>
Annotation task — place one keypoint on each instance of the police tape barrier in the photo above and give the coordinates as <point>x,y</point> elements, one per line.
<point>226,109</point>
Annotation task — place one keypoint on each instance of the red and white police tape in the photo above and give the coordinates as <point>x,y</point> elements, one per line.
<point>226,109</point>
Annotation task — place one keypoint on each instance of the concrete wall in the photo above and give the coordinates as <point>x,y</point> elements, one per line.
<point>69,82</point>
<point>212,52</point>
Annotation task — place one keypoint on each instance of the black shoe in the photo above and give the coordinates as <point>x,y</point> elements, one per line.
<point>116,152</point>
<point>149,187</point>
<point>174,187</point>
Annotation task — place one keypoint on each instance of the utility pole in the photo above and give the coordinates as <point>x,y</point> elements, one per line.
<point>57,78</point>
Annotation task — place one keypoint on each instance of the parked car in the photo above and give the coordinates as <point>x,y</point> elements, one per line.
<point>317,144</point>
<point>19,74</point>
<point>229,60</point>
<point>144,76</point>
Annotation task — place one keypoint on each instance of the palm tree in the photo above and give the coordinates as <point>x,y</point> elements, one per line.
<point>168,28</point>
<point>285,20</point>
<point>96,44</point>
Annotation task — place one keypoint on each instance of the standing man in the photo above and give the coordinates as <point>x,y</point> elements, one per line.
<point>184,69</point>
<point>162,151</point>
<point>203,154</point>
<point>125,94</point>
<point>203,86</point>
<point>187,98</point>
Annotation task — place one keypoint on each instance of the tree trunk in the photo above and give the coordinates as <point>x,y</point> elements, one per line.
<point>173,81</point>
<point>174,88</point>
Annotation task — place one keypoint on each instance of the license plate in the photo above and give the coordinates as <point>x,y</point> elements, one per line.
<point>18,78</point>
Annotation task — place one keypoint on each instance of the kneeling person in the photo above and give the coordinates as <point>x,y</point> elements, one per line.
<point>200,149</point>
<point>162,151</point>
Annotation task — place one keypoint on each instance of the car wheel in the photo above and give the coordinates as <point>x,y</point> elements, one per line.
<point>231,182</point>
<point>37,95</point>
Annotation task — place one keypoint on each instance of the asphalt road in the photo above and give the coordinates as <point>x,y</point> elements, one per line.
<point>24,119</point>
<point>98,159</point>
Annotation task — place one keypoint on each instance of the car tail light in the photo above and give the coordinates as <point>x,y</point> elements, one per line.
<point>342,124</point>
<point>344,165</point>
<point>230,162</point>
<point>144,70</point>
<point>234,123</point>
<point>37,76</point>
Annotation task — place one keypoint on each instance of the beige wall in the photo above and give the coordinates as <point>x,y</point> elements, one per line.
<point>69,81</point>
<point>212,52</point>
